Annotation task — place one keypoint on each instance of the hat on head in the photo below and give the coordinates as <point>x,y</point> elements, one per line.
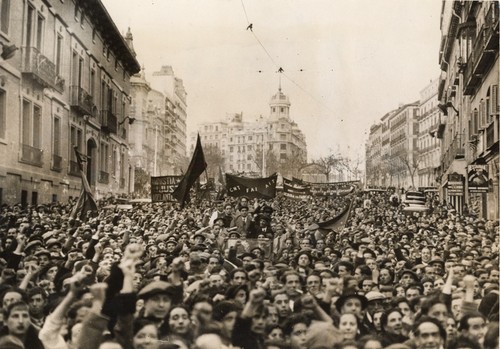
<point>53,242</point>
<point>247,254</point>
<point>411,272</point>
<point>42,252</point>
<point>155,288</point>
<point>223,308</point>
<point>436,260</point>
<point>32,244</point>
<point>219,219</point>
<point>199,235</point>
<point>374,296</point>
<point>344,297</point>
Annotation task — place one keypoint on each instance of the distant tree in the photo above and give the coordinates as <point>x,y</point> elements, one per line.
<point>290,166</point>
<point>271,161</point>
<point>410,163</point>
<point>329,163</point>
<point>142,182</point>
<point>214,160</point>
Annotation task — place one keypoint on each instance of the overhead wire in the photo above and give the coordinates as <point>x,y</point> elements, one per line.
<point>279,67</point>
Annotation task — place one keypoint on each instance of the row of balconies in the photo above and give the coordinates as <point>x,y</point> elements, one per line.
<point>34,156</point>
<point>455,150</point>
<point>484,50</point>
<point>43,70</point>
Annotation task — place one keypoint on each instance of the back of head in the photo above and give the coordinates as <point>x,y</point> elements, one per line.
<point>322,335</point>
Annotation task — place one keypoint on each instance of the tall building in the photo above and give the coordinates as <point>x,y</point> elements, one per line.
<point>429,136</point>
<point>173,89</point>
<point>373,156</point>
<point>468,95</point>
<point>153,137</point>
<point>258,147</point>
<point>391,151</point>
<point>68,85</point>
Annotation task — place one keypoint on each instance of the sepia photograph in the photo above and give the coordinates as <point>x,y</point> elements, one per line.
<point>254,174</point>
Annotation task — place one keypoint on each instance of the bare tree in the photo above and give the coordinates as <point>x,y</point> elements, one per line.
<point>328,163</point>
<point>410,163</point>
<point>214,160</point>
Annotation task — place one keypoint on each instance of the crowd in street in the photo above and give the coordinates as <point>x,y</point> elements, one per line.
<point>249,273</point>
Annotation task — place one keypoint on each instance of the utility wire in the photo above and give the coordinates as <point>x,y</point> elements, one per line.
<point>280,69</point>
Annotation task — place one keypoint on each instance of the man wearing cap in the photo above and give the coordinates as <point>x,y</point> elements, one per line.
<point>159,295</point>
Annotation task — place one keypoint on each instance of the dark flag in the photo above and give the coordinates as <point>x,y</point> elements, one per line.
<point>195,169</point>
<point>222,189</point>
<point>86,202</point>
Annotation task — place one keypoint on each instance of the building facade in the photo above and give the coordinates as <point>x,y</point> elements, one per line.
<point>391,151</point>
<point>153,136</point>
<point>258,147</point>
<point>68,85</point>
<point>468,94</point>
<point>429,136</point>
<point>175,132</point>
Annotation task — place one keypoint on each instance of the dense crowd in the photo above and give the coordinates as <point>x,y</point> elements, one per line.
<point>253,274</point>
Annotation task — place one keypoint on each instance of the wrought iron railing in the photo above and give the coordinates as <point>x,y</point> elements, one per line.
<point>81,100</point>
<point>103,177</point>
<point>109,122</point>
<point>56,162</point>
<point>31,155</point>
<point>42,68</point>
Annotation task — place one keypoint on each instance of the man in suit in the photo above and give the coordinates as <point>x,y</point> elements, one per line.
<point>243,222</point>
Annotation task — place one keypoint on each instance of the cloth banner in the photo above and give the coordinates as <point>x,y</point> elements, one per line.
<point>296,189</point>
<point>260,188</point>
<point>335,188</point>
<point>86,204</point>
<point>162,188</point>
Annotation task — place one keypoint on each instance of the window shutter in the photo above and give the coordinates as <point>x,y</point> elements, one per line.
<point>482,121</point>
<point>495,108</point>
<point>475,116</point>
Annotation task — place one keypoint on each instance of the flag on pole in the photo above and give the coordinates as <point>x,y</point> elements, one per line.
<point>195,169</point>
<point>86,202</point>
<point>222,189</point>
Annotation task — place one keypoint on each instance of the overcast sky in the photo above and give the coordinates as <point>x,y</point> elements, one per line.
<point>346,63</point>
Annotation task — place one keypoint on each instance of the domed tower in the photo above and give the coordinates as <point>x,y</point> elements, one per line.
<point>280,105</point>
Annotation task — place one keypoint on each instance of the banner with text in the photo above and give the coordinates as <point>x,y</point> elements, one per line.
<point>336,188</point>
<point>296,189</point>
<point>260,188</point>
<point>163,187</point>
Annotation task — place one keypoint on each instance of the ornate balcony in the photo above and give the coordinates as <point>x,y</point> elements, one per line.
<point>56,163</point>
<point>31,155</point>
<point>38,66</point>
<point>109,122</point>
<point>103,177</point>
<point>81,101</point>
<point>484,50</point>
<point>455,150</point>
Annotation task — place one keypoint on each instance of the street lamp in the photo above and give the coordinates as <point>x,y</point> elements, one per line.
<point>8,51</point>
<point>130,120</point>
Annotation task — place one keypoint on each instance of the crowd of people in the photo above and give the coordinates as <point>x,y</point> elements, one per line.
<point>254,274</point>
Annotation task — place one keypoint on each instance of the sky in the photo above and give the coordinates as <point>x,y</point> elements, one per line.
<point>346,63</point>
